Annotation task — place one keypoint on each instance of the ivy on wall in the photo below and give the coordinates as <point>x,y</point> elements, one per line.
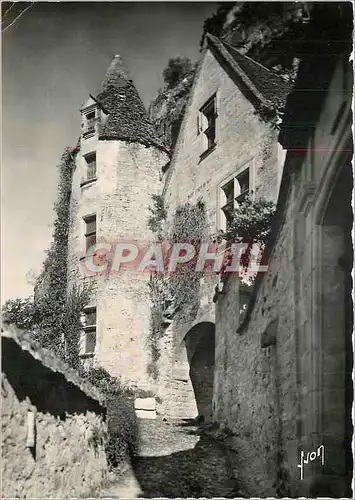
<point>189,226</point>
<point>155,221</point>
<point>175,295</point>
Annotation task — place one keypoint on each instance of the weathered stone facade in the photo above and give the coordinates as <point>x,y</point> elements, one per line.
<point>127,174</point>
<point>282,375</point>
<point>243,140</point>
<point>127,177</point>
<point>130,167</point>
<point>277,377</point>
<point>53,425</point>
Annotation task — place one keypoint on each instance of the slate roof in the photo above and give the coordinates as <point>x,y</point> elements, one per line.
<point>268,87</point>
<point>128,119</point>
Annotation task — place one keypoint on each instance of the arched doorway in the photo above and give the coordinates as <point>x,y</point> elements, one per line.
<point>194,362</point>
<point>202,369</point>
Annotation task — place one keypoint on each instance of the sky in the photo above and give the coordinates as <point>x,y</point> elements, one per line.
<point>53,56</point>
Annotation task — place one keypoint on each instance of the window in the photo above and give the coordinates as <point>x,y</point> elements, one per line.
<point>91,166</point>
<point>90,122</point>
<point>233,192</point>
<point>243,184</point>
<point>89,326</point>
<point>90,231</point>
<point>207,124</point>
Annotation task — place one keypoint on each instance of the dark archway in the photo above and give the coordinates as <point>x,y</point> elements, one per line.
<point>200,348</point>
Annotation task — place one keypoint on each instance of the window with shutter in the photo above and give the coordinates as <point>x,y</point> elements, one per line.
<point>206,124</point>
<point>91,166</point>
<point>90,231</point>
<point>233,192</point>
<point>89,338</point>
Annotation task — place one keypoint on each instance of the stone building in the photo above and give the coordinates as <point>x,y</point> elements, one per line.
<point>278,377</point>
<point>227,147</point>
<point>282,381</point>
<point>119,166</point>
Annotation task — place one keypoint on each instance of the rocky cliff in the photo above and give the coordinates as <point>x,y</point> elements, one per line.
<point>167,110</point>
<point>271,33</point>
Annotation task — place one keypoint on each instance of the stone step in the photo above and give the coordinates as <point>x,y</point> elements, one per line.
<point>148,404</point>
<point>146,414</point>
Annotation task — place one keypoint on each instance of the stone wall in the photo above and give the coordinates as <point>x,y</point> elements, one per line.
<point>248,392</point>
<point>127,177</point>
<point>67,457</point>
<point>282,374</point>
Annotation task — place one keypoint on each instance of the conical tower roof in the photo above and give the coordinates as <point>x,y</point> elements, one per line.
<point>128,119</point>
<point>117,73</point>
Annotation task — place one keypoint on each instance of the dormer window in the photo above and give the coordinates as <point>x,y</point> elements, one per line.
<point>90,122</point>
<point>90,119</point>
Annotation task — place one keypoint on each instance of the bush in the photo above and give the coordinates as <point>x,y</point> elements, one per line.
<point>214,24</point>
<point>250,224</point>
<point>20,312</point>
<point>123,431</point>
<point>176,70</point>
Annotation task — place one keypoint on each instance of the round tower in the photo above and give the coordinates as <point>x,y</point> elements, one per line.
<point>118,169</point>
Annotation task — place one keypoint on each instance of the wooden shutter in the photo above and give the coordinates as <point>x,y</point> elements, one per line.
<point>217,102</point>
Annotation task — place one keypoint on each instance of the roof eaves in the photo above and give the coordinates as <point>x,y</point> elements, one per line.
<point>52,362</point>
<point>97,101</point>
<point>217,44</point>
<point>126,138</point>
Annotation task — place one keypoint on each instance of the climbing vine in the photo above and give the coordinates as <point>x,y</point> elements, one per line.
<point>189,226</point>
<point>175,295</point>
<point>157,287</point>
<point>155,221</point>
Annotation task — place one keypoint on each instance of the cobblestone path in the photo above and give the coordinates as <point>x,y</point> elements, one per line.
<point>175,461</point>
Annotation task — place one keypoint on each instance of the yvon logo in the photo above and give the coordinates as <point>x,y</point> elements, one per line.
<point>311,456</point>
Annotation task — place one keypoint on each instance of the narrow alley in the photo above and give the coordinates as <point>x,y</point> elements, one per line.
<point>176,460</point>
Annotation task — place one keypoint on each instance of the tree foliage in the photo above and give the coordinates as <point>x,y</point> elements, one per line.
<point>214,23</point>
<point>176,70</point>
<point>250,223</point>
<point>21,312</point>
<point>53,317</point>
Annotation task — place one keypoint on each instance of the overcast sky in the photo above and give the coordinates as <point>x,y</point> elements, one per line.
<point>53,56</point>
